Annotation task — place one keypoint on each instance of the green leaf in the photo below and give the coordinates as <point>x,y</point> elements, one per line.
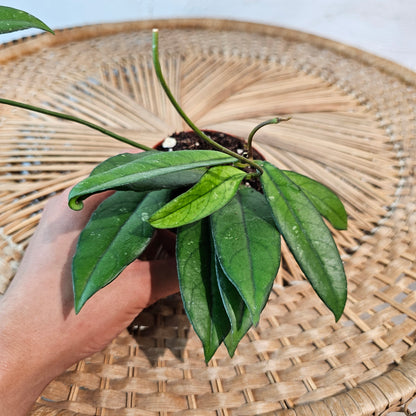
<point>116,234</point>
<point>307,236</point>
<point>247,245</point>
<point>146,171</point>
<point>199,287</point>
<point>119,160</point>
<point>237,311</point>
<point>169,181</point>
<point>324,200</point>
<point>13,19</point>
<point>213,191</point>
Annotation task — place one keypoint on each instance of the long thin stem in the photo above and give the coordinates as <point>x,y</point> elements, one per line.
<point>275,120</point>
<point>188,121</point>
<point>74,119</point>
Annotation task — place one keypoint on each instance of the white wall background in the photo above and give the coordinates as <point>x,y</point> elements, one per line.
<point>384,27</point>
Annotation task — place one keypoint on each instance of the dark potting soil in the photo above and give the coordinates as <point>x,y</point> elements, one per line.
<point>189,140</point>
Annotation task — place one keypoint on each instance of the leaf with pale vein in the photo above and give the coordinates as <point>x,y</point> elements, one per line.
<point>114,237</point>
<point>212,192</point>
<point>146,171</point>
<point>247,245</point>
<point>307,236</point>
<point>323,199</point>
<point>237,311</point>
<point>199,287</point>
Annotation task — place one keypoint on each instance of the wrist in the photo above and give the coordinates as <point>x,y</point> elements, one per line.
<point>23,376</point>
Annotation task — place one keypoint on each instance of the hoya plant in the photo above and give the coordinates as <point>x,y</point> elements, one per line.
<point>228,211</point>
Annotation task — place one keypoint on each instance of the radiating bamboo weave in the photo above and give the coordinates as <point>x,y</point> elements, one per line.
<point>353,128</point>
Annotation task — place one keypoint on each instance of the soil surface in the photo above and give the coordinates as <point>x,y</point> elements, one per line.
<point>189,140</point>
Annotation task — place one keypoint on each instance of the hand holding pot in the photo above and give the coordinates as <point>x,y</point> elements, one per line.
<point>40,334</point>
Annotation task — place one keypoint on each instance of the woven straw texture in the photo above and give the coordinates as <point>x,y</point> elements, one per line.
<point>353,128</point>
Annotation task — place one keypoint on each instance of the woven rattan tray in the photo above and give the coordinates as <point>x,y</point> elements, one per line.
<point>353,128</point>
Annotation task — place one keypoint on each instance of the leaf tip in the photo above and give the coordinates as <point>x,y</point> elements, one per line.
<point>209,351</point>
<point>75,204</point>
<point>231,349</point>
<point>78,304</point>
<point>337,315</point>
<point>255,316</point>
<point>80,300</point>
<point>338,309</point>
<point>339,312</point>
<point>344,225</point>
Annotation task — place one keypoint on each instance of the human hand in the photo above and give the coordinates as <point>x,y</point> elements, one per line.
<point>37,319</point>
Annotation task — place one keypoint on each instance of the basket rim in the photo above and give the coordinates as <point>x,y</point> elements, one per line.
<point>402,378</point>
<point>29,45</point>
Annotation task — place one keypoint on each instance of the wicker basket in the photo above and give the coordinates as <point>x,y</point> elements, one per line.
<point>353,128</point>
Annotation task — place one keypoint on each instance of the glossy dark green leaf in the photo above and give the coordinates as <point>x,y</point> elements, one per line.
<point>324,200</point>
<point>247,244</point>
<point>116,234</point>
<point>237,311</point>
<point>199,287</point>
<point>168,181</point>
<point>213,191</point>
<point>119,160</point>
<point>13,19</point>
<point>307,236</point>
<point>146,171</point>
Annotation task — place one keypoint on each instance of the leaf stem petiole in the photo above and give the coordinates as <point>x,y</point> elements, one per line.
<point>188,121</point>
<point>275,120</point>
<point>75,120</point>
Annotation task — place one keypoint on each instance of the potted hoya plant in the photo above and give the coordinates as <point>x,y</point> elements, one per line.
<point>228,209</point>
